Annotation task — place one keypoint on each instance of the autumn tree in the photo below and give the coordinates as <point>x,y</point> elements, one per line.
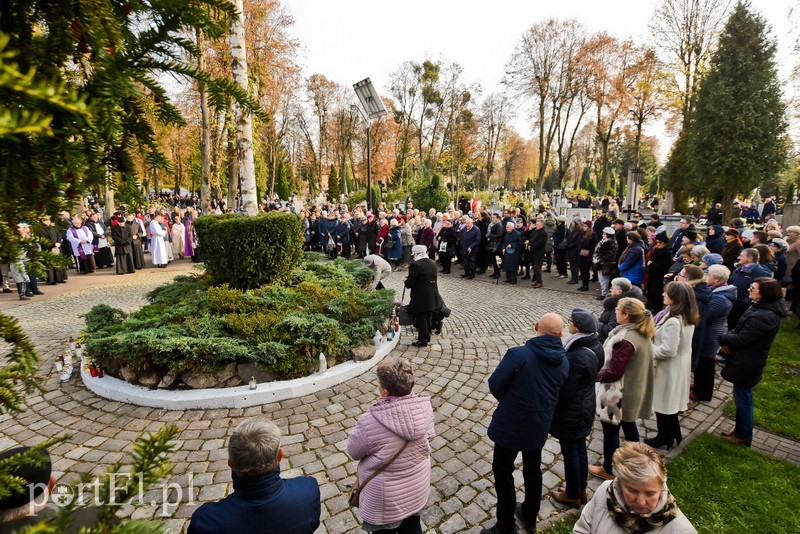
<point>685,32</point>
<point>493,120</point>
<point>737,131</point>
<point>646,93</point>
<point>610,76</point>
<point>539,71</point>
<point>514,150</point>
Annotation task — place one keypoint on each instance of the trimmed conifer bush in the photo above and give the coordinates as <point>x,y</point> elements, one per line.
<point>249,252</point>
<point>191,325</point>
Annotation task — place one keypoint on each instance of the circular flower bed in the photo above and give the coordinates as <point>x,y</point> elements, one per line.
<point>196,335</point>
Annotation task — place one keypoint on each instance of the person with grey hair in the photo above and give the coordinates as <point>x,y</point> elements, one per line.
<point>638,500</point>
<point>424,292</point>
<point>748,270</point>
<point>392,443</point>
<point>261,499</point>
<point>511,251</point>
<point>722,298</point>
<point>380,267</point>
<point>620,288</point>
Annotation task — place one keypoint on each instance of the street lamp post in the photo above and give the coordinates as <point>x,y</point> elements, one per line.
<point>374,109</point>
<point>632,191</point>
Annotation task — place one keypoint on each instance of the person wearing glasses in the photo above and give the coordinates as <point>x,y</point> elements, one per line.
<point>748,270</point>
<point>745,349</point>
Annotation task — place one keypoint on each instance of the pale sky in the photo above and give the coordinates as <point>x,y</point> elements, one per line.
<point>349,40</point>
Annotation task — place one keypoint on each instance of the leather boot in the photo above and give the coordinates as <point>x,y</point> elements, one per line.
<point>663,437</point>
<point>21,291</point>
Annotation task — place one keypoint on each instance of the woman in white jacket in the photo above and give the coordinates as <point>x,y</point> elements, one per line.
<point>672,358</point>
<point>638,500</point>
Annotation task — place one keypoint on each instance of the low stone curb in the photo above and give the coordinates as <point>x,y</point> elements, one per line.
<point>115,389</point>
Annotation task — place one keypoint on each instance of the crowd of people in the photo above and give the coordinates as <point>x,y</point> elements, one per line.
<point>673,305</point>
<point>89,244</point>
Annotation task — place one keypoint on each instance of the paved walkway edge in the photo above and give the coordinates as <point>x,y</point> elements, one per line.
<point>115,389</point>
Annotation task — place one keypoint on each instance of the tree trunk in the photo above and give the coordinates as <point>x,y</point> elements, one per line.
<point>727,202</point>
<point>205,132</point>
<point>234,167</point>
<point>109,201</point>
<point>244,122</point>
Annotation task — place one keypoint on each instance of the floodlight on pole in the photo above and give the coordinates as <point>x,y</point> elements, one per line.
<point>374,109</point>
<point>632,192</point>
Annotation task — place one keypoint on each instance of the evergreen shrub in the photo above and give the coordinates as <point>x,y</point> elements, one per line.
<point>191,324</point>
<point>249,252</point>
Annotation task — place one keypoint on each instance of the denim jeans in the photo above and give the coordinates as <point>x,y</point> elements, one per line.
<point>605,282</point>
<point>503,469</point>
<point>611,440</point>
<point>744,412</point>
<point>576,466</point>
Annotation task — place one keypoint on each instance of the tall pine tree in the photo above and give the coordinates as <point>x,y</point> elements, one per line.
<point>736,136</point>
<point>334,188</point>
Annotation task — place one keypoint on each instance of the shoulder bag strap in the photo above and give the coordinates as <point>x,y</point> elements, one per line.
<point>384,466</point>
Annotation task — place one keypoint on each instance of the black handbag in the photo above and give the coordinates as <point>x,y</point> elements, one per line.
<point>404,317</point>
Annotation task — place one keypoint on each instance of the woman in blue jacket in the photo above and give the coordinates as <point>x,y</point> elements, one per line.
<point>631,263</point>
<point>395,253</point>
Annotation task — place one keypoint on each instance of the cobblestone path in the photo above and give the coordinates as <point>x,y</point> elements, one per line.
<point>487,319</point>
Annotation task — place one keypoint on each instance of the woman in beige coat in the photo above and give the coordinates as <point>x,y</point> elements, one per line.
<point>638,500</point>
<point>672,358</point>
<point>628,364</point>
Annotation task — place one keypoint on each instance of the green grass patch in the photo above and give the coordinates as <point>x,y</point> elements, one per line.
<point>727,489</point>
<point>777,396</point>
<point>731,489</point>
<point>562,526</point>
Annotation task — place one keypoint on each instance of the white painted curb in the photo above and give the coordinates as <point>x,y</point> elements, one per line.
<point>115,389</point>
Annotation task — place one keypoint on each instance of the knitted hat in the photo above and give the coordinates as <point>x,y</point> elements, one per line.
<point>419,249</point>
<point>692,235</point>
<point>584,320</point>
<point>562,218</point>
<point>609,231</point>
<point>732,231</point>
<point>662,236</point>
<point>747,234</point>
<point>712,259</point>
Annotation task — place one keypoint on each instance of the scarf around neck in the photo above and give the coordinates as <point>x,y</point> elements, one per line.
<point>568,341</point>
<point>634,523</point>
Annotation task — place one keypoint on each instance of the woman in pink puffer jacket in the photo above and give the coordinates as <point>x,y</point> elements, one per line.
<point>392,500</point>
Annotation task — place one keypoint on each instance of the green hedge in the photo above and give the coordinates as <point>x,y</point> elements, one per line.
<point>192,325</point>
<point>248,252</point>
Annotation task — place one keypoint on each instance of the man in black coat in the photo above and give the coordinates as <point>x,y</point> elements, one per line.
<point>621,235</point>
<point>470,243</point>
<point>123,250</point>
<point>422,283</point>
<point>538,243</point>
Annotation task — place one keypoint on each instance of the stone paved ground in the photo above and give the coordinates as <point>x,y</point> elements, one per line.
<point>487,319</point>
